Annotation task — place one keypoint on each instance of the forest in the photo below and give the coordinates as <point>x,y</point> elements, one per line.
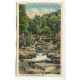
<point>48,24</point>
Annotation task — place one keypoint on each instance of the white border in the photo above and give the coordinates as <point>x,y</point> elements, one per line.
<point>62,38</point>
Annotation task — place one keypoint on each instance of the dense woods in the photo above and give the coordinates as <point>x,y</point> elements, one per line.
<point>48,24</point>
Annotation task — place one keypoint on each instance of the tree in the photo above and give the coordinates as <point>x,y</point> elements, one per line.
<point>23,27</point>
<point>23,19</point>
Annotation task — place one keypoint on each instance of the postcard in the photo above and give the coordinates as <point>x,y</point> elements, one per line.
<point>39,38</point>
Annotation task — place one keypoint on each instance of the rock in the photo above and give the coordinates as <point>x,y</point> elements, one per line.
<point>50,69</point>
<point>34,71</point>
<point>27,53</point>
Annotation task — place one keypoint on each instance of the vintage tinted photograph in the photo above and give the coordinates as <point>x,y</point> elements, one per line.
<point>39,38</point>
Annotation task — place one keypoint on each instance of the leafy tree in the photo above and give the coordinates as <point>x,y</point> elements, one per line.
<point>24,26</point>
<point>23,19</point>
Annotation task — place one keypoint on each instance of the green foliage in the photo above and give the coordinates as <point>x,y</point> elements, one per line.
<point>46,24</point>
<point>23,19</point>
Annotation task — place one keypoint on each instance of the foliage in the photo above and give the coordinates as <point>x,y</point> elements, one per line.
<point>45,24</point>
<point>23,19</point>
